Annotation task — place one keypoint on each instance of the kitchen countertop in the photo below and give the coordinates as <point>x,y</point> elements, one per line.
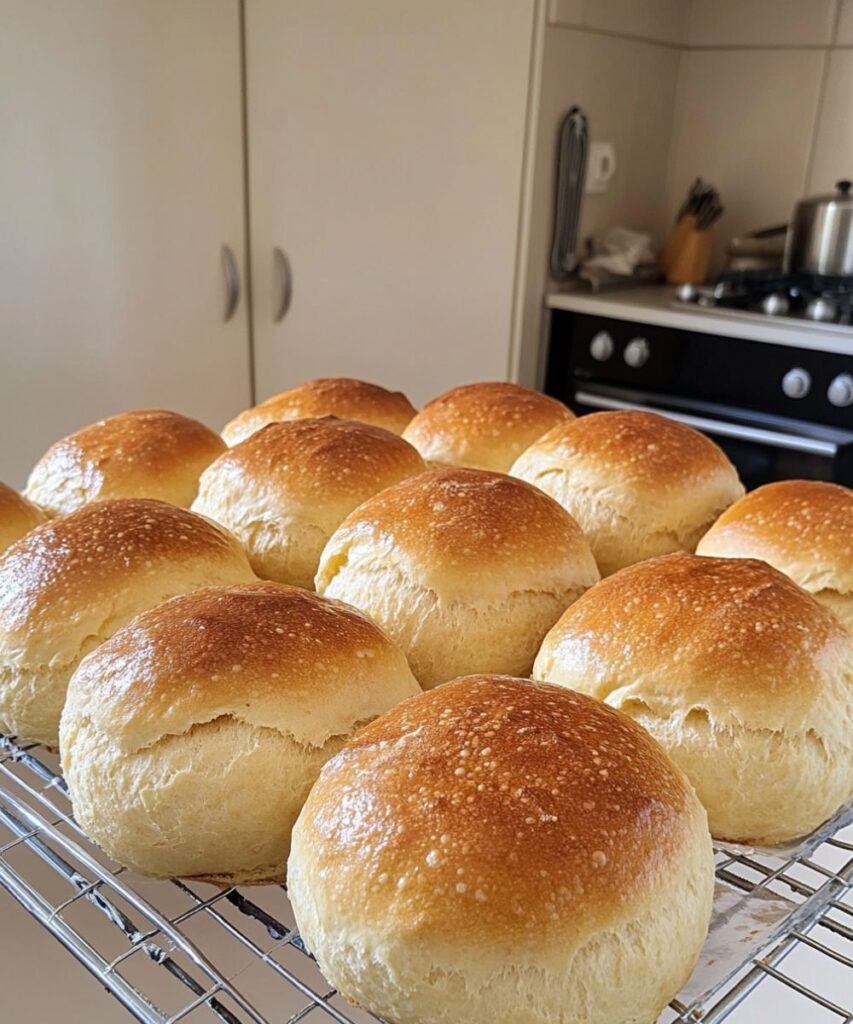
<point>656,304</point>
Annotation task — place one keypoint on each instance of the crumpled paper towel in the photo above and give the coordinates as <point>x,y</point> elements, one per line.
<point>620,251</point>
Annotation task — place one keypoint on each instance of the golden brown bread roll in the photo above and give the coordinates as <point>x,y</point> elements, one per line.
<point>145,454</point>
<point>499,850</point>
<point>743,677</point>
<point>343,397</point>
<point>72,582</point>
<point>17,516</point>
<point>285,489</point>
<point>466,570</point>
<point>483,426</point>
<point>638,484</point>
<point>191,738</point>
<point>802,527</point>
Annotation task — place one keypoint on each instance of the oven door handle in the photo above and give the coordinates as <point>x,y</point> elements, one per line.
<point>773,438</point>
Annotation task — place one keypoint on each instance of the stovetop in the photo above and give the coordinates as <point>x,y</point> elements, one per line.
<point>647,343</point>
<point>799,297</point>
<point>782,385</point>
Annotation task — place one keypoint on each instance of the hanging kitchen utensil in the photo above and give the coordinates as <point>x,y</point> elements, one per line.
<point>571,174</point>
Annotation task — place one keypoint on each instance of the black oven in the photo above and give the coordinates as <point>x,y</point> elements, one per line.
<point>767,405</point>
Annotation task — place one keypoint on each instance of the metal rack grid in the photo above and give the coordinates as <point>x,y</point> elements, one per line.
<point>161,948</point>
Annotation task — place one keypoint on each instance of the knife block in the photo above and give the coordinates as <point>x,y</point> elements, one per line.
<point>686,254</point>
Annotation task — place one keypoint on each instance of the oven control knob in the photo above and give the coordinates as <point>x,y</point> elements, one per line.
<point>840,391</point>
<point>637,352</point>
<point>601,347</point>
<point>797,382</point>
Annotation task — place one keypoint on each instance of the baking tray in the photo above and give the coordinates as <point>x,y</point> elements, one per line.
<point>179,951</point>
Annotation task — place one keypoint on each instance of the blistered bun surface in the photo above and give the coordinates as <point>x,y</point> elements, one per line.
<point>466,570</point>
<point>191,738</point>
<point>743,677</point>
<point>483,426</point>
<point>802,527</point>
<point>497,850</point>
<point>639,484</point>
<point>69,584</point>
<point>145,454</point>
<point>327,396</point>
<point>17,516</point>
<point>285,489</point>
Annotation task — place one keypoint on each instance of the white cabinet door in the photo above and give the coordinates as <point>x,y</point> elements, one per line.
<point>386,140</point>
<point>120,181</point>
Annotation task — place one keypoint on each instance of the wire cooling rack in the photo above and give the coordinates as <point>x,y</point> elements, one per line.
<point>178,951</point>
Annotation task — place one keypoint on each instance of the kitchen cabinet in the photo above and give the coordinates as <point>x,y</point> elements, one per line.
<point>379,175</point>
<point>386,151</point>
<point>121,180</point>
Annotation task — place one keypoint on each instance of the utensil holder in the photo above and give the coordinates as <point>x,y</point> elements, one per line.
<point>672,246</point>
<point>686,255</point>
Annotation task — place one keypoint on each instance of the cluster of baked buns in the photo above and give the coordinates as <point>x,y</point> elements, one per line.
<point>479,682</point>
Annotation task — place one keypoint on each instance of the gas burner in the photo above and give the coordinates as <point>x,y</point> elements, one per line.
<point>825,300</point>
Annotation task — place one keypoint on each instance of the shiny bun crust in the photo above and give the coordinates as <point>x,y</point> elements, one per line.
<point>146,454</point>
<point>71,583</point>
<point>743,677</point>
<point>286,488</point>
<point>17,516</point>
<point>191,738</point>
<point>501,850</point>
<point>802,527</point>
<point>483,426</point>
<point>327,396</point>
<point>639,484</point>
<point>466,570</point>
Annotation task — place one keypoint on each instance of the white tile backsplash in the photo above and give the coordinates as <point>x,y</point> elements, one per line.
<point>727,89</point>
<point>568,13</point>
<point>627,90</point>
<point>744,121</point>
<point>658,20</point>
<point>760,22</point>
<point>844,33</point>
<point>833,145</point>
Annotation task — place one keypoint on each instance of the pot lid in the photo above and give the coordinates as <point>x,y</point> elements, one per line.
<point>841,195</point>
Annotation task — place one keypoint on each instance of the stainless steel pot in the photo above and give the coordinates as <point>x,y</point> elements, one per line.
<point>820,235</point>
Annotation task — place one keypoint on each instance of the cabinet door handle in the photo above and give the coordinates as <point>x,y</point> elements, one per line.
<point>232,282</point>
<point>285,276</point>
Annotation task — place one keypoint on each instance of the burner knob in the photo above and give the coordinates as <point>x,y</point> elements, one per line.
<point>686,293</point>
<point>601,347</point>
<point>840,391</point>
<point>821,309</point>
<point>637,352</point>
<point>797,382</point>
<point>775,304</point>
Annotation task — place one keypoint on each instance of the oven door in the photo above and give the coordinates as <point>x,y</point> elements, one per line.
<point>763,448</point>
